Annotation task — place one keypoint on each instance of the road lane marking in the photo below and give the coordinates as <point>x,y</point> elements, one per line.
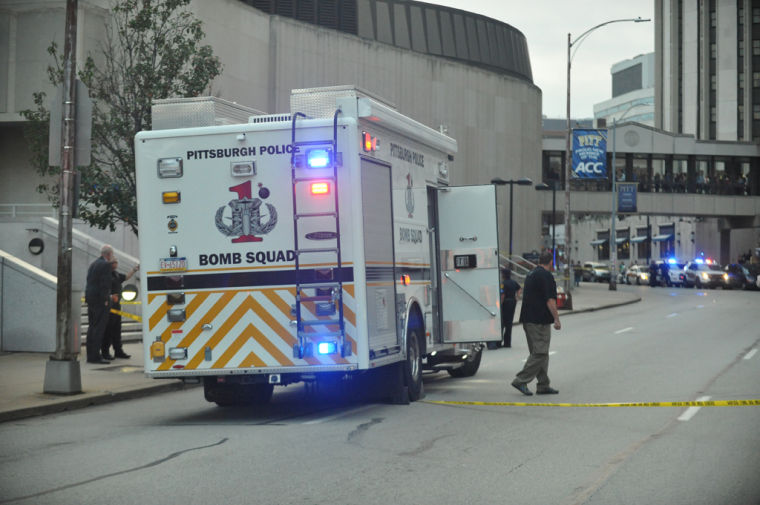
<point>691,411</point>
<point>674,314</point>
<point>624,330</point>
<point>750,354</point>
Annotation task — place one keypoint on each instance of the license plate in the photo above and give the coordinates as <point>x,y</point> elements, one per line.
<point>172,264</point>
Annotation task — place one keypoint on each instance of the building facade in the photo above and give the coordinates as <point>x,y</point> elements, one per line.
<point>632,93</point>
<point>464,73</point>
<point>707,68</point>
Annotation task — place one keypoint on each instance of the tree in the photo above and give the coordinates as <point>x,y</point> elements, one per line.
<point>152,50</point>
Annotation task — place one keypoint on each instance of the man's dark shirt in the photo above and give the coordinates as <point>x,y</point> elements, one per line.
<point>99,282</point>
<point>510,289</point>
<point>539,288</point>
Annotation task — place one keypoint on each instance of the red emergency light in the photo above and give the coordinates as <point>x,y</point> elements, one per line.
<point>369,143</point>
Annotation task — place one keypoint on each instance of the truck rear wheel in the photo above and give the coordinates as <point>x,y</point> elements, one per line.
<point>413,366</point>
<point>470,367</point>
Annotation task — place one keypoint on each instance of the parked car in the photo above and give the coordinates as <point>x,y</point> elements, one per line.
<point>701,273</point>
<point>596,272</point>
<point>675,272</point>
<point>637,274</point>
<point>739,277</point>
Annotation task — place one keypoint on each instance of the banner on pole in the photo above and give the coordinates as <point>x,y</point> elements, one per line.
<point>626,193</point>
<point>589,154</point>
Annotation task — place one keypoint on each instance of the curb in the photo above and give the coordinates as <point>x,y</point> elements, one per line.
<point>89,399</point>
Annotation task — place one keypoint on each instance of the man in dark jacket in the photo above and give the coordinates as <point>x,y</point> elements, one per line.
<point>112,336</point>
<point>538,312</point>
<point>98,298</point>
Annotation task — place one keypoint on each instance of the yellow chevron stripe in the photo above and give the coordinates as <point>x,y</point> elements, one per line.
<point>217,337</point>
<point>158,315</point>
<point>252,361</point>
<point>198,328</point>
<point>284,308</point>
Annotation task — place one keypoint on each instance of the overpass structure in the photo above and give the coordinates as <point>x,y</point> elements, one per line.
<point>677,175</point>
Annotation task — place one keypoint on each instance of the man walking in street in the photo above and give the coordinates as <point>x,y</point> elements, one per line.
<point>98,298</point>
<point>538,313</point>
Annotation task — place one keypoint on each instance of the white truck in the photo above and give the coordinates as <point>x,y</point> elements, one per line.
<point>320,244</point>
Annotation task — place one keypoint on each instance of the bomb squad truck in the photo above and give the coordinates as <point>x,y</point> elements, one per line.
<point>317,245</point>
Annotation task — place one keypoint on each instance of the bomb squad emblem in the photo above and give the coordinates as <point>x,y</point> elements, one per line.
<point>247,221</point>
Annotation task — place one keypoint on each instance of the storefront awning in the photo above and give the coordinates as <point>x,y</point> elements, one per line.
<point>662,238</point>
<point>621,240</point>
<point>599,241</point>
<point>640,239</point>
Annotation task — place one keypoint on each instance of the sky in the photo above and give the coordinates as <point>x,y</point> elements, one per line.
<point>546,23</point>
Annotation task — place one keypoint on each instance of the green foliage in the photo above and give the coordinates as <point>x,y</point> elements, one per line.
<point>152,50</point>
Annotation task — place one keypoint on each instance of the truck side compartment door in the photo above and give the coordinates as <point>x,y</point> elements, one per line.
<point>469,264</point>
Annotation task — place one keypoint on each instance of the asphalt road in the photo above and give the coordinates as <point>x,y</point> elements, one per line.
<point>676,345</point>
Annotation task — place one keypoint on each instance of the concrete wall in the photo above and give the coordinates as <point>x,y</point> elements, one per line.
<point>27,307</point>
<point>496,119</point>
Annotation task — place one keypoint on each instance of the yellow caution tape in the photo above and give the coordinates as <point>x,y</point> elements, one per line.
<point>133,302</point>
<point>127,314</point>
<point>710,403</point>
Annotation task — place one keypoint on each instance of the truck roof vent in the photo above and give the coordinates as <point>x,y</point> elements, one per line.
<point>198,111</point>
<point>270,118</point>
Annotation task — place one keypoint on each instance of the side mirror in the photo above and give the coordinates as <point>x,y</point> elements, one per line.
<point>129,292</point>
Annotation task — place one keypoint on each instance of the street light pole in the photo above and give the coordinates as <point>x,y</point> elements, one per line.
<point>520,182</point>
<point>613,234</point>
<point>545,187</point>
<point>568,161</point>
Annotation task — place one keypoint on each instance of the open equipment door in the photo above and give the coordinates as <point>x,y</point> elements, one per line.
<point>469,264</point>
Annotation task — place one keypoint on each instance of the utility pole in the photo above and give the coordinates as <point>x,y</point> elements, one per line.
<point>62,373</point>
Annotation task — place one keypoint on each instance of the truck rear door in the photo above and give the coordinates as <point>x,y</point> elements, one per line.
<point>469,264</point>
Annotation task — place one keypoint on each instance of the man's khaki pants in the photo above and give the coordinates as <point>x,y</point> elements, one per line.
<point>537,367</point>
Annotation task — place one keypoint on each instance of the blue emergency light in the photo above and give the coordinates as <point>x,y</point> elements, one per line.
<point>318,158</point>
<point>327,348</point>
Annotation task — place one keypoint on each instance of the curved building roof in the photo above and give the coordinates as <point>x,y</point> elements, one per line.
<point>417,26</point>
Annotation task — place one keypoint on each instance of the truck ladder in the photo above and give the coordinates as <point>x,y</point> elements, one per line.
<point>322,286</point>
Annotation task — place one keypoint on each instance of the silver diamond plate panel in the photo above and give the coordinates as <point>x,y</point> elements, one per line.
<point>198,111</point>
<point>320,102</point>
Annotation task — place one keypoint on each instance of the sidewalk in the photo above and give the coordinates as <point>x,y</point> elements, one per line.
<point>22,374</point>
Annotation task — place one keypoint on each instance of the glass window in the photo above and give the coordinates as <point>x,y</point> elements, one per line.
<point>472,39</point>
<point>713,50</point>
<point>756,47</point>
<point>756,111</point>
<point>741,48</point>
<point>741,80</point>
<point>366,29</point>
<point>417,29</point>
<point>384,33</point>
<point>460,37</point>
<point>756,15</point>
<point>401,27</point>
<point>713,82</point>
<point>447,35</point>
<point>755,79</point>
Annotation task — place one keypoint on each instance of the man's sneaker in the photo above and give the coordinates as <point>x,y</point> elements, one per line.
<point>546,391</point>
<point>522,388</point>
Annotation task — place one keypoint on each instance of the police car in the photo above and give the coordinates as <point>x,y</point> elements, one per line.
<point>703,273</point>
